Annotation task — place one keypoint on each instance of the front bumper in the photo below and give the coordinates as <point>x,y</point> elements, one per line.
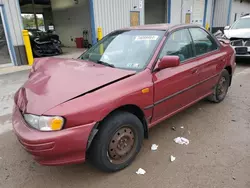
<point>66,146</point>
<point>242,51</point>
<point>239,56</point>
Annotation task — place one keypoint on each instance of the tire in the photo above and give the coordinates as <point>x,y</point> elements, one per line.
<point>219,95</point>
<point>117,131</point>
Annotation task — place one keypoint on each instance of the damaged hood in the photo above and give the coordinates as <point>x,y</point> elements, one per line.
<point>54,80</point>
<point>237,33</point>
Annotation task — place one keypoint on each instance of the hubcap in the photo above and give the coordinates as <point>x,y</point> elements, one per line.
<point>222,87</point>
<point>122,145</point>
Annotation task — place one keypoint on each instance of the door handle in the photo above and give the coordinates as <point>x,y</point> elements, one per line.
<point>194,71</point>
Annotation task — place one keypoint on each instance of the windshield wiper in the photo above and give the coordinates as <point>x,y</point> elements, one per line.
<point>106,64</point>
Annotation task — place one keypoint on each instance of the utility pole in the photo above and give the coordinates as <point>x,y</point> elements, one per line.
<point>34,12</point>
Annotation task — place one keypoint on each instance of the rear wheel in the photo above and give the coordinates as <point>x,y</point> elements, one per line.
<point>117,142</point>
<point>220,90</point>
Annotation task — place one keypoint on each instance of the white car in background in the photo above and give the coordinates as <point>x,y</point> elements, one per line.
<point>239,36</point>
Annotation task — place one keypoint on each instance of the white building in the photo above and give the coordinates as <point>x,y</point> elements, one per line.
<point>71,17</point>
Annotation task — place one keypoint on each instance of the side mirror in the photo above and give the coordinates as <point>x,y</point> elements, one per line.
<point>227,27</point>
<point>168,61</point>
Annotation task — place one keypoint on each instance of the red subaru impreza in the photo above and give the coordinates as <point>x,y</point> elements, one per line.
<point>101,105</point>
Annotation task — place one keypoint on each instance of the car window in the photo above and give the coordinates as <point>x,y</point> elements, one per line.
<point>203,42</point>
<point>179,44</point>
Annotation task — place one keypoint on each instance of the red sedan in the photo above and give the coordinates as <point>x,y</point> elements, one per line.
<point>100,106</point>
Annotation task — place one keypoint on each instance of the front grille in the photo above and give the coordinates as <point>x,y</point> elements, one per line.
<point>237,43</point>
<point>241,50</point>
<point>247,43</point>
<point>240,42</point>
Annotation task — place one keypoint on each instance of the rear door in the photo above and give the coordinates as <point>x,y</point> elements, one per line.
<point>174,87</point>
<point>209,58</point>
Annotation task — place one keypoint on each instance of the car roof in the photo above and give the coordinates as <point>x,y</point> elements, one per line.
<point>163,27</point>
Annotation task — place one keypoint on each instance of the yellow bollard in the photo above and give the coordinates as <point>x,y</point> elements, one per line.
<point>26,40</point>
<point>207,26</point>
<point>99,33</point>
<point>99,36</point>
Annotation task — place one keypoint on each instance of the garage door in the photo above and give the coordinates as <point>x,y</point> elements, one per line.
<point>198,12</point>
<point>154,11</point>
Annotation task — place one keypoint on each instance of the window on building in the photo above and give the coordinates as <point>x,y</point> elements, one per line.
<point>203,42</point>
<point>29,21</point>
<point>179,44</point>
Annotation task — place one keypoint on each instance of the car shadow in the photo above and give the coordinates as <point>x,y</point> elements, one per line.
<point>243,62</point>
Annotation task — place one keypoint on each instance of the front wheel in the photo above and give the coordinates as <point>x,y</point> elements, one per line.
<point>220,90</point>
<point>117,142</point>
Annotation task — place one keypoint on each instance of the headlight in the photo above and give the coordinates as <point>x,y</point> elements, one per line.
<point>44,123</point>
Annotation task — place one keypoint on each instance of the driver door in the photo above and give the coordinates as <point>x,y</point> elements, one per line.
<point>174,88</point>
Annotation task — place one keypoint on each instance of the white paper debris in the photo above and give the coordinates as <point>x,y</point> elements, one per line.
<point>140,171</point>
<point>173,128</point>
<point>1,158</point>
<point>154,147</point>
<point>172,158</point>
<point>181,140</point>
<point>182,127</point>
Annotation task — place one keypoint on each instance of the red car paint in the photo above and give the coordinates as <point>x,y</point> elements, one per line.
<point>85,93</point>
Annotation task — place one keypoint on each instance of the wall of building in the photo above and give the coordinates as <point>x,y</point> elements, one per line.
<point>196,9</point>
<point>175,17</point>
<point>221,13</point>
<point>70,20</point>
<point>226,13</point>
<point>155,11</point>
<point>115,14</point>
<point>14,24</point>
<point>238,9</point>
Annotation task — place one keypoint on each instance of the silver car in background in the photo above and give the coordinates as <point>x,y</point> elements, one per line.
<point>239,36</point>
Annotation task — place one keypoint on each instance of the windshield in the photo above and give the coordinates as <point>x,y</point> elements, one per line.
<point>125,49</point>
<point>243,23</point>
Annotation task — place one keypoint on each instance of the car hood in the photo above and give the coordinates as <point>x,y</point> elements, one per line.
<point>54,80</point>
<point>237,33</point>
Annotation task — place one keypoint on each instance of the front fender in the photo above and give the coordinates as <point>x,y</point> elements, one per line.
<point>95,106</point>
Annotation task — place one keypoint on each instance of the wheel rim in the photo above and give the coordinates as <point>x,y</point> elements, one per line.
<point>222,88</point>
<point>122,145</point>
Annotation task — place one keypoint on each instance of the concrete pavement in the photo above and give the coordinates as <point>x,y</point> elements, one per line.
<point>218,154</point>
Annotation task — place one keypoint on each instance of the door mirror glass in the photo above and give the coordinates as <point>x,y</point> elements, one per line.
<point>227,27</point>
<point>168,61</point>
